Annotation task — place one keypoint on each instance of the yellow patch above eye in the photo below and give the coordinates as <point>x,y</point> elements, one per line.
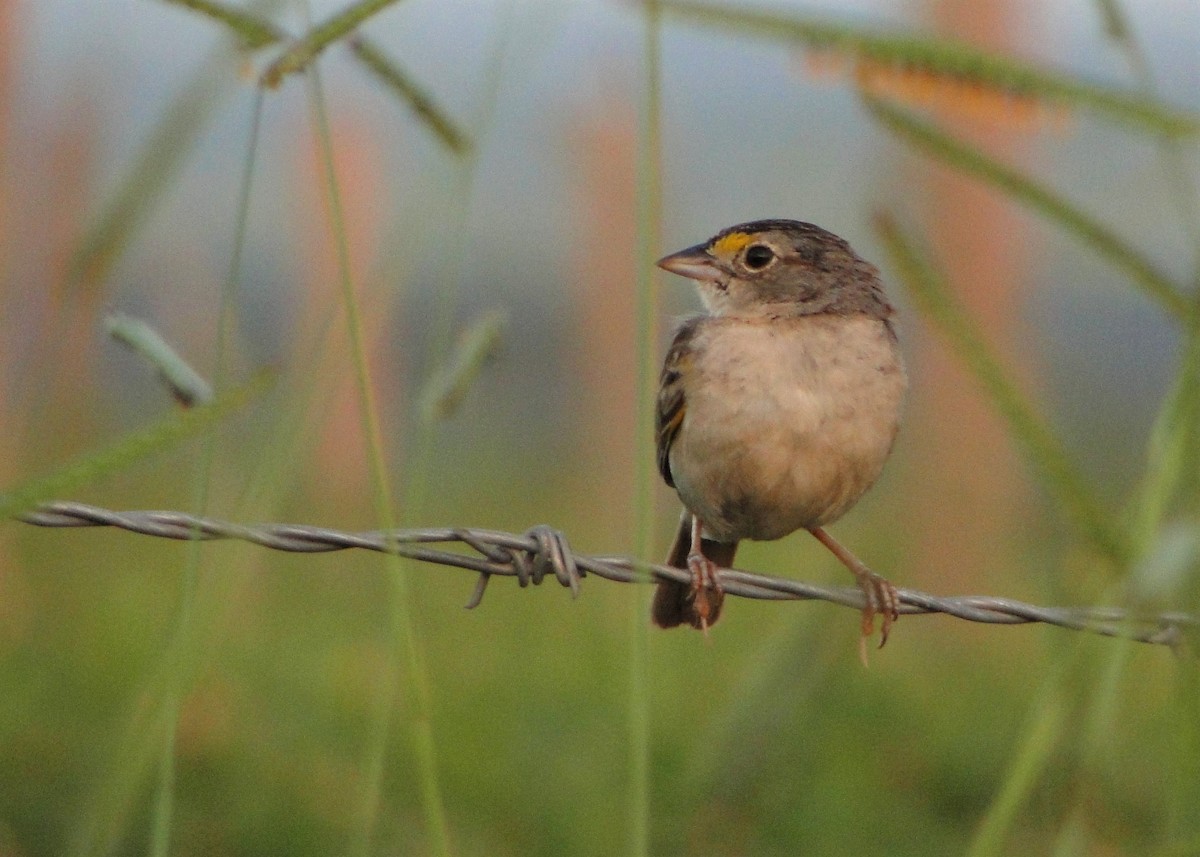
<point>729,244</point>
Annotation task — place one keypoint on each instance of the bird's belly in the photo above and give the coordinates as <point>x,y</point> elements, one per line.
<point>782,481</point>
<point>791,440</point>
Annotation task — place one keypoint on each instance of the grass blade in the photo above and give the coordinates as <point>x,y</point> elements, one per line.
<point>1044,449</point>
<point>927,138</point>
<point>251,31</point>
<point>176,428</point>
<point>181,379</point>
<point>1028,764</point>
<point>404,633</point>
<point>309,46</point>
<point>649,170</point>
<point>398,81</point>
<point>944,60</point>
<point>160,158</point>
<point>1173,452</point>
<point>446,390</point>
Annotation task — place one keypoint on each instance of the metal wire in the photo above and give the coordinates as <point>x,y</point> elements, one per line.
<point>541,551</point>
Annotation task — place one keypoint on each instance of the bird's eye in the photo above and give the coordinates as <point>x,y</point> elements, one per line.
<point>758,256</point>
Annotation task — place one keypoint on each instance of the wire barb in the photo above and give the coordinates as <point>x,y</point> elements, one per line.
<point>543,550</point>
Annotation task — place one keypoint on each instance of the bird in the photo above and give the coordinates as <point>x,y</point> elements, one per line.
<point>776,408</point>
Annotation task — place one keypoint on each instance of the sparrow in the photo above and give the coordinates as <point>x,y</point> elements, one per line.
<point>777,408</point>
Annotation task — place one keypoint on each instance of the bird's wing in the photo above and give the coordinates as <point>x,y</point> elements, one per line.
<point>672,401</point>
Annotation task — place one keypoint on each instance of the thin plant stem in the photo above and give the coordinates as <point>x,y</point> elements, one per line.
<point>158,162</point>
<point>185,384</point>
<point>390,74</point>
<point>402,629</point>
<point>649,210</point>
<point>1170,461</point>
<point>1048,722</point>
<point>419,469</point>
<point>180,652</point>
<point>166,434</point>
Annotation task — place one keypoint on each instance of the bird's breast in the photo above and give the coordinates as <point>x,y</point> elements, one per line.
<point>788,422</point>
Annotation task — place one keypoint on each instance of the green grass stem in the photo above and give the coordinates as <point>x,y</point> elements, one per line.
<point>1181,183</point>
<point>148,178</point>
<point>1042,736</point>
<point>182,650</point>
<point>1171,478</point>
<point>649,218</point>
<point>387,71</point>
<point>403,632</point>
<point>445,391</point>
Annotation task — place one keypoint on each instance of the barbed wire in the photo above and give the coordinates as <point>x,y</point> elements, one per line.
<point>543,551</point>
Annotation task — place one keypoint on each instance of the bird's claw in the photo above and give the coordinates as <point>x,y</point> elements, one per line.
<point>707,593</point>
<point>881,598</point>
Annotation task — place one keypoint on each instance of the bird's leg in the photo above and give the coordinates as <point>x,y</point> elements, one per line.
<point>880,594</point>
<point>706,588</point>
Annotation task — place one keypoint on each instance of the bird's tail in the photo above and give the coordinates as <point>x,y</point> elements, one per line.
<point>674,603</point>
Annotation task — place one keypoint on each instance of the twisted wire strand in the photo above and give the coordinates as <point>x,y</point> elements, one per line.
<point>542,551</point>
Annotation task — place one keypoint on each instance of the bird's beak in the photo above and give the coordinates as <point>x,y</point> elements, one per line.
<point>694,263</point>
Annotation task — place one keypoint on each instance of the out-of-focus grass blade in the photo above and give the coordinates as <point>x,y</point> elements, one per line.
<point>309,46</point>
<point>179,426</point>
<point>251,31</point>
<point>1060,477</point>
<point>940,58</point>
<point>1173,453</point>
<point>932,141</point>
<point>1030,761</point>
<point>181,379</point>
<point>160,158</point>
<point>1115,26</point>
<point>448,387</point>
<point>395,78</point>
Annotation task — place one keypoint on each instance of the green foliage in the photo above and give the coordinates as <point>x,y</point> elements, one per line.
<point>1035,753</point>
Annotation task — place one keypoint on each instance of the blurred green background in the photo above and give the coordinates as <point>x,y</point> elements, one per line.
<point>164,698</point>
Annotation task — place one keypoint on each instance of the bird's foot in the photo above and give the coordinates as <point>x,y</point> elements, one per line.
<point>880,596</point>
<point>707,593</point>
<point>882,599</point>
